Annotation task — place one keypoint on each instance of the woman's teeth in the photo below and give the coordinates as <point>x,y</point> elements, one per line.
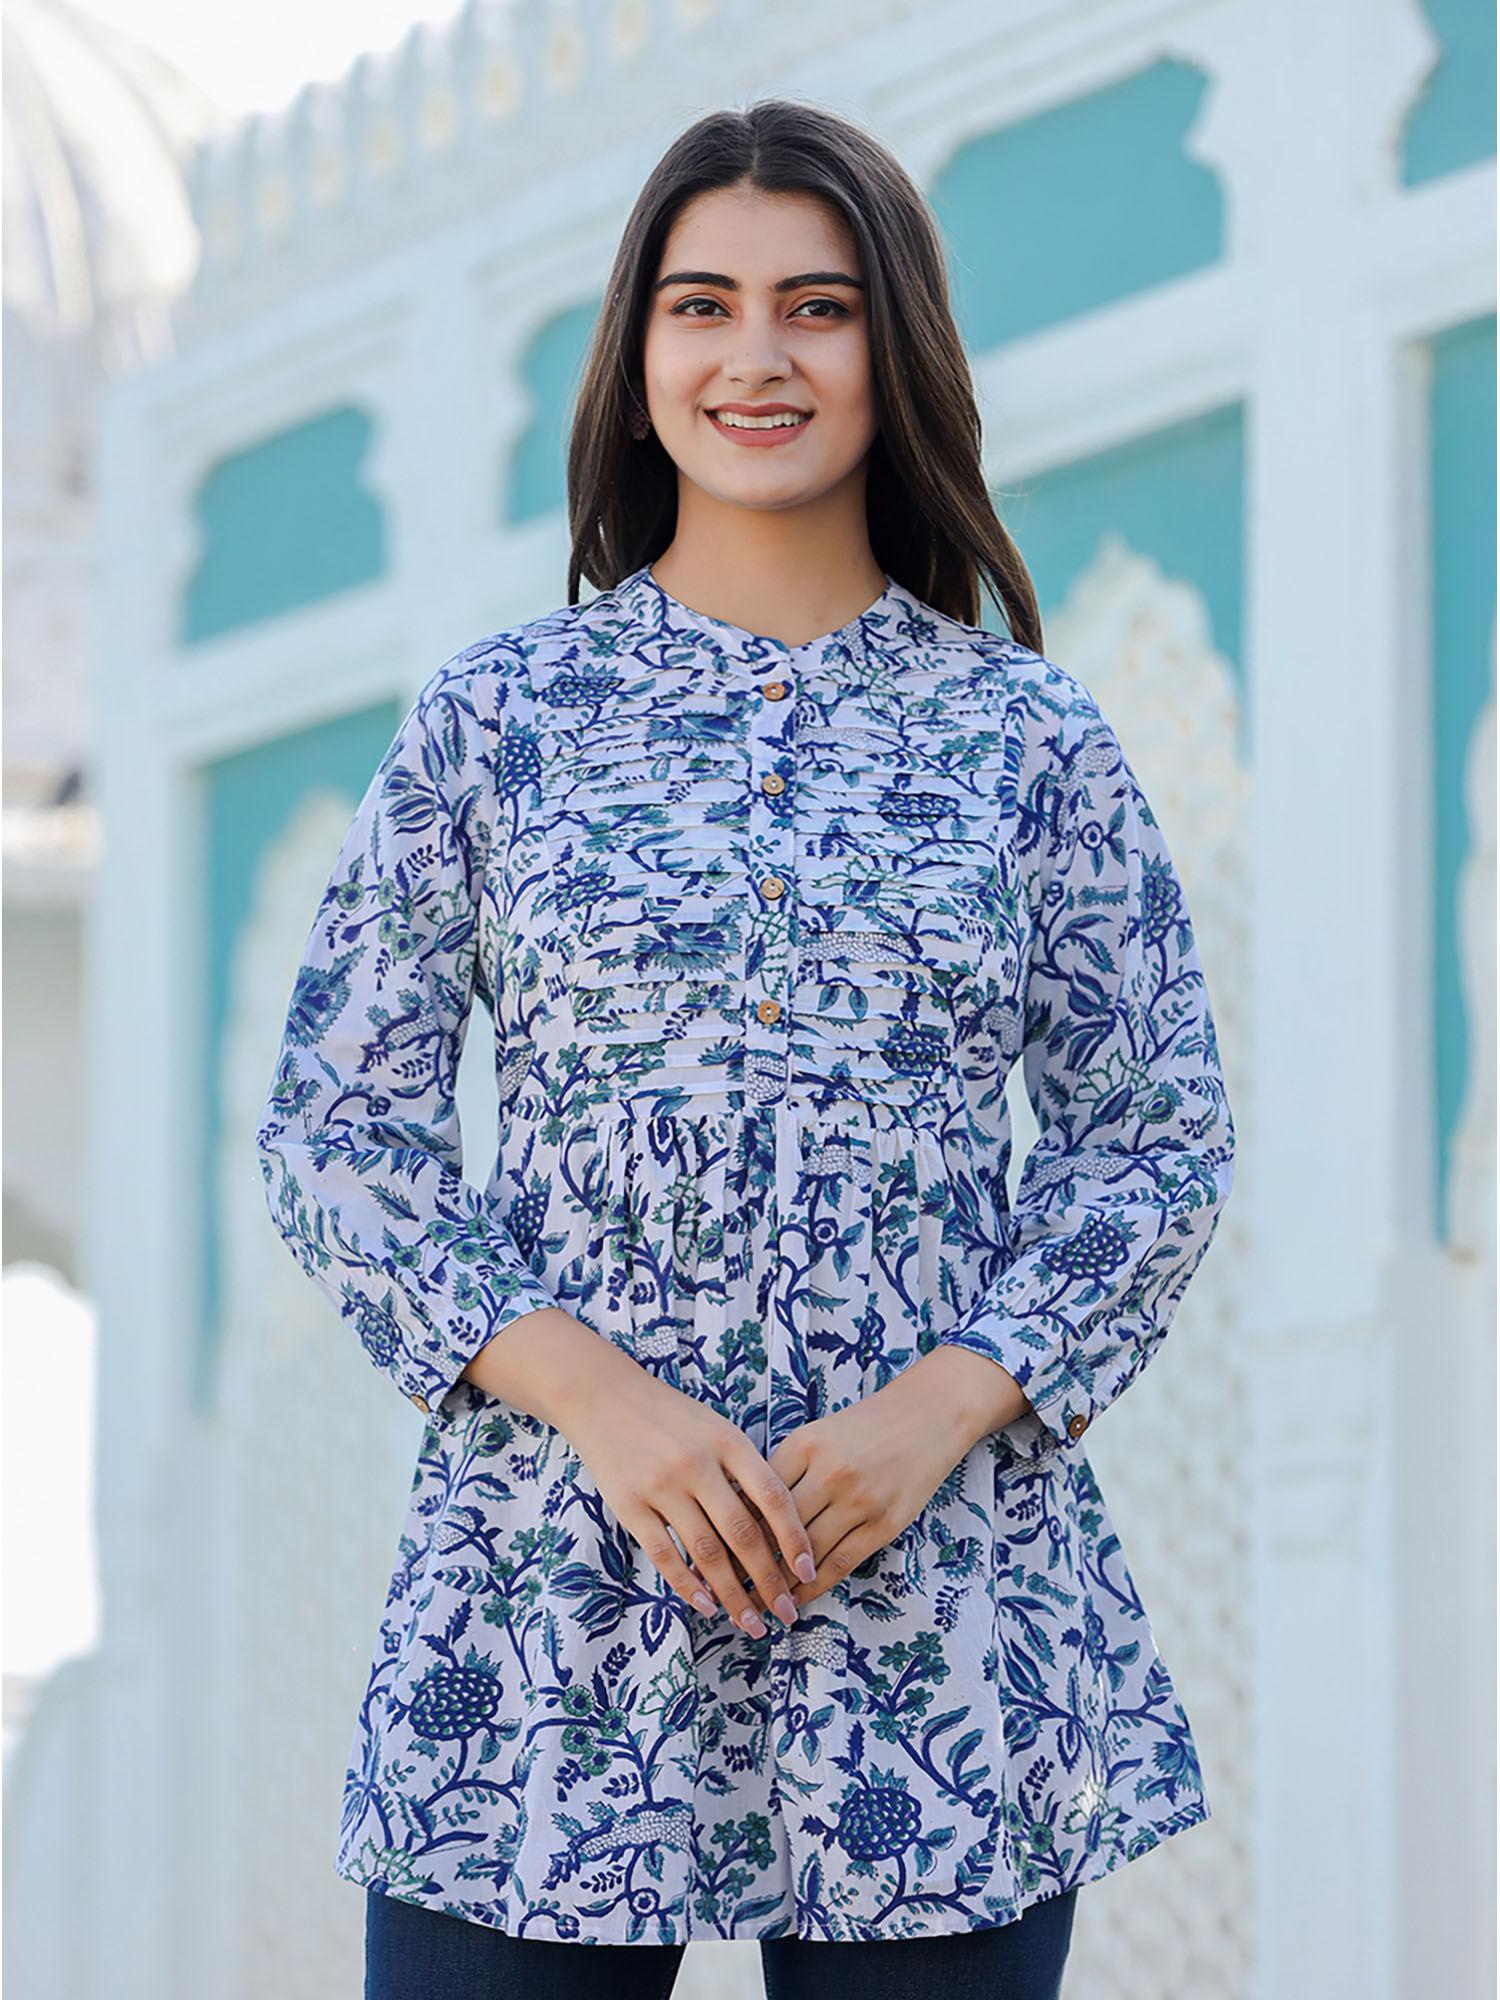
<point>738,423</point>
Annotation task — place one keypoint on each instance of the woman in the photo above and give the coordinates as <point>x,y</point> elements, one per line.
<point>754,1582</point>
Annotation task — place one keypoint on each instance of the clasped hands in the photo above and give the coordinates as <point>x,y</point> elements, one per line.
<point>768,1535</point>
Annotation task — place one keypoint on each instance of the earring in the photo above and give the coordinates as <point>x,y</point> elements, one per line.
<point>639,421</point>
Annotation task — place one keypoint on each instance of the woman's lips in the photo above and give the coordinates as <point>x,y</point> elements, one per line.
<point>761,434</point>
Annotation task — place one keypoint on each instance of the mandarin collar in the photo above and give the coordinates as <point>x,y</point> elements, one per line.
<point>644,599</point>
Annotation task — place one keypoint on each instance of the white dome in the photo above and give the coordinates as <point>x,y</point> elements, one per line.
<point>99,242</point>
<point>98,131</point>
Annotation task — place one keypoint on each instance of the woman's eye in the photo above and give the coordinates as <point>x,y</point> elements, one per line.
<point>837,310</point>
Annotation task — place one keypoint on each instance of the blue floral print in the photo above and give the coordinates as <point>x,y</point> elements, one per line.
<point>761,930</point>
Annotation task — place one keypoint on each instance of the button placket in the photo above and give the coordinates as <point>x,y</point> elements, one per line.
<point>771,893</point>
<point>771,861</point>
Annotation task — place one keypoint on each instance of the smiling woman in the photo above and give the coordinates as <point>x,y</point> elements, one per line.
<point>780,260</point>
<point>754,1581</point>
<point>758,382</point>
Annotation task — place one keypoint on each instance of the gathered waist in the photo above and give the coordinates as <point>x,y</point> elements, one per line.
<point>719,1111</point>
<point>796,1124</point>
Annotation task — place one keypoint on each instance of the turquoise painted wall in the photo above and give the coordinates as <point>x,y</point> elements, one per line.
<point>283,525</point>
<point>1176,495</point>
<point>535,481</point>
<point>1452,124</point>
<point>1462,471</point>
<point>247,802</point>
<point>1078,207</point>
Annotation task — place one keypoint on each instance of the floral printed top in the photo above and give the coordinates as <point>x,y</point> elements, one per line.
<point>761,931</point>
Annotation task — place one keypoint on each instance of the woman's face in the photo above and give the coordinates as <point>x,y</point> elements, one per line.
<point>758,302</point>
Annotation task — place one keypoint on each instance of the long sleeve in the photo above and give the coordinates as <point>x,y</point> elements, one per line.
<point>1122,1191</point>
<point>359,1141</point>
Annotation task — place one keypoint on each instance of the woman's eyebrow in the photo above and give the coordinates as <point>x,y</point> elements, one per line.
<point>729,284</point>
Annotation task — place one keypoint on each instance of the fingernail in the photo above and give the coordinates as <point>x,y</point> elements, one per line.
<point>786,1609</point>
<point>753,1623</point>
<point>704,1603</point>
<point>806,1568</point>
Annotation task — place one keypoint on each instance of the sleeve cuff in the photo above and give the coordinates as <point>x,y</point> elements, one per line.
<point>1061,1408</point>
<point>430,1370</point>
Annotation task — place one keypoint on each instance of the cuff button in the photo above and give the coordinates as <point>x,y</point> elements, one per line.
<point>1077,1426</point>
<point>421,1402</point>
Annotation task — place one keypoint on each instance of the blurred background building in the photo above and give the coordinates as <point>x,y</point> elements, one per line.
<point>99,241</point>
<point>286,402</point>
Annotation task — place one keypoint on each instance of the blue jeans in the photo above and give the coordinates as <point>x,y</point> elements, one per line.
<point>416,1953</point>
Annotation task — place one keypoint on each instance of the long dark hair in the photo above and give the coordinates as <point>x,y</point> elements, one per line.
<point>932,524</point>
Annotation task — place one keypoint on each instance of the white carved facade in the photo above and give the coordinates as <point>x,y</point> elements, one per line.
<point>398,243</point>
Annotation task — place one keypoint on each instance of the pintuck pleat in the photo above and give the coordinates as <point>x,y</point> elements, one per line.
<point>646,830</point>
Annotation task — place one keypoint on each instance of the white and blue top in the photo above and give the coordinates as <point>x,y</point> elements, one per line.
<point>761,930</point>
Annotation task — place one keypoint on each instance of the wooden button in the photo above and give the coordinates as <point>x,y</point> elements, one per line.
<point>421,1402</point>
<point>775,690</point>
<point>769,1010</point>
<point>1077,1426</point>
<point>773,782</point>
<point>772,887</point>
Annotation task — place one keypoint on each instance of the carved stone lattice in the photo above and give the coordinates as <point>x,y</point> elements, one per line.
<point>1172,1456</point>
<point>314,1460</point>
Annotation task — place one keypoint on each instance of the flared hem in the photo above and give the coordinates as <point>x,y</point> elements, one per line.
<point>1093,1869</point>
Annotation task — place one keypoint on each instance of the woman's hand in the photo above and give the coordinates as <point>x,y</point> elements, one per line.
<point>862,1474</point>
<point>662,1459</point>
